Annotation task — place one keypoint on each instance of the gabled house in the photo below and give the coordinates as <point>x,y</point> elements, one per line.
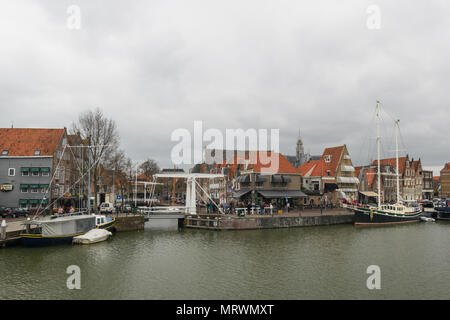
<point>255,179</point>
<point>368,187</point>
<point>411,176</point>
<point>333,175</point>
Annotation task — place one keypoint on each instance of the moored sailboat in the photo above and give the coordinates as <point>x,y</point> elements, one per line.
<point>384,214</point>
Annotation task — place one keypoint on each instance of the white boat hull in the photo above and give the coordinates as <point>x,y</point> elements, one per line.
<point>93,236</point>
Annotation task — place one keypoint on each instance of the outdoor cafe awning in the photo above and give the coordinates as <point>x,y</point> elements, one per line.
<point>261,178</point>
<point>282,194</point>
<point>240,193</point>
<point>369,193</point>
<point>244,178</point>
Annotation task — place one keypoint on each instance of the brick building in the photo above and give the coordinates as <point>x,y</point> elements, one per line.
<point>333,175</point>
<point>445,181</point>
<point>35,168</point>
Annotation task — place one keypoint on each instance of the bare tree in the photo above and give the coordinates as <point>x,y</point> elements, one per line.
<point>103,139</point>
<point>117,164</point>
<point>149,167</point>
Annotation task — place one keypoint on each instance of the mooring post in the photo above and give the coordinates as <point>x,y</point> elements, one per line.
<point>28,228</point>
<point>3,229</point>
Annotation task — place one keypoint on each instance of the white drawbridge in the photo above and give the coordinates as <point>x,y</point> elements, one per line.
<point>191,187</point>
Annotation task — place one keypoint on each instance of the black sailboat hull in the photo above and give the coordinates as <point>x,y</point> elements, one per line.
<point>365,217</point>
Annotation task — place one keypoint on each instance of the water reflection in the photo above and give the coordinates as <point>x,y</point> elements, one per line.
<point>304,263</point>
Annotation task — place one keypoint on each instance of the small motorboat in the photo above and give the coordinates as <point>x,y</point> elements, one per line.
<point>427,219</point>
<point>93,236</point>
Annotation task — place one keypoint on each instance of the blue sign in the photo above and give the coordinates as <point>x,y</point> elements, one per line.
<point>118,197</point>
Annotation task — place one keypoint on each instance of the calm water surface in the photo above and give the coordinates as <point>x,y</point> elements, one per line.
<point>302,263</point>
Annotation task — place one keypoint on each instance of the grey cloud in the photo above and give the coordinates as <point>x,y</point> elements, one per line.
<point>156,66</point>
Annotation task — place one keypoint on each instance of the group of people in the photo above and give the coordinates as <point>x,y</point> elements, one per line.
<point>229,208</point>
<point>62,210</point>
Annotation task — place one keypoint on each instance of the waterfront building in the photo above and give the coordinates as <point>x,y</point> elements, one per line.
<point>428,190</point>
<point>108,185</point>
<point>368,187</point>
<point>29,159</point>
<point>437,185</point>
<point>445,181</point>
<point>411,176</point>
<point>250,179</point>
<point>333,175</point>
<point>411,179</point>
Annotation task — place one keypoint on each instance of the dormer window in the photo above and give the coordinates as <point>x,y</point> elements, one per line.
<point>37,152</point>
<point>4,152</point>
<point>327,158</point>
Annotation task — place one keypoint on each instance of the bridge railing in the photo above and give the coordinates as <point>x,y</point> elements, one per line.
<point>159,210</point>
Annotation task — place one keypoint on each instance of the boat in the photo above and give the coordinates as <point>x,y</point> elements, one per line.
<point>92,236</point>
<point>56,229</point>
<point>443,211</point>
<point>428,209</point>
<point>385,214</point>
<point>427,219</point>
<point>61,229</point>
<point>104,222</point>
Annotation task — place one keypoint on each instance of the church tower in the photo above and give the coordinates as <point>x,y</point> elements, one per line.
<point>300,151</point>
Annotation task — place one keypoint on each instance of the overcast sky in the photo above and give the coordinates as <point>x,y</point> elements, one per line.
<point>155,66</point>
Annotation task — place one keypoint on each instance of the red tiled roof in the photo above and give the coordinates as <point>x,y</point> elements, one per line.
<point>446,167</point>
<point>437,178</point>
<point>415,164</point>
<point>24,142</point>
<point>307,166</point>
<point>335,154</point>
<point>143,177</point>
<point>321,166</point>
<point>257,163</point>
<point>393,162</point>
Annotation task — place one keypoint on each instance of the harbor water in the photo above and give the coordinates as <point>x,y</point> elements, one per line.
<point>327,262</point>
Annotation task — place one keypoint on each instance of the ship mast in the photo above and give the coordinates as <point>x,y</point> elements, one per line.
<point>379,147</point>
<point>397,128</point>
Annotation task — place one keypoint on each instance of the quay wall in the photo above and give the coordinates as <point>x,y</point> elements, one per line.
<point>250,222</point>
<point>129,223</point>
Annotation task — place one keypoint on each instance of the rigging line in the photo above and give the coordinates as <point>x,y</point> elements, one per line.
<point>51,181</point>
<point>365,138</point>
<point>401,138</point>
<point>60,197</point>
<point>51,203</point>
<point>76,162</point>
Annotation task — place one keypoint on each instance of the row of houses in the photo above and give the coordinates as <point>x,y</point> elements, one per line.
<point>313,181</point>
<point>47,168</point>
<point>38,169</point>
<point>305,179</point>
